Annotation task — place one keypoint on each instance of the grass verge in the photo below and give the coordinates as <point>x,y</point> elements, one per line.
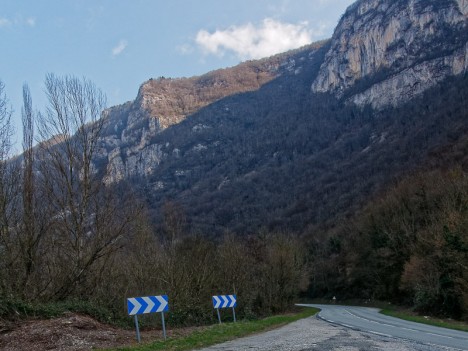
<point>223,332</point>
<point>426,320</point>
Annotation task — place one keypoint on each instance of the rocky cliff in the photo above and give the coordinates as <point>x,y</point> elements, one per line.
<point>385,52</point>
<point>127,147</point>
<point>252,146</point>
<point>382,53</point>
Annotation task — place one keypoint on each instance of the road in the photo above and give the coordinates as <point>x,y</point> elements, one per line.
<point>340,328</point>
<point>370,320</point>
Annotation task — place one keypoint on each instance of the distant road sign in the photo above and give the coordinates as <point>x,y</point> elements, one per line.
<point>224,301</point>
<point>148,304</point>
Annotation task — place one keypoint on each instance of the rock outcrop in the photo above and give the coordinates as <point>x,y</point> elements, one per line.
<point>251,147</point>
<point>127,146</point>
<point>384,52</point>
<point>463,5</point>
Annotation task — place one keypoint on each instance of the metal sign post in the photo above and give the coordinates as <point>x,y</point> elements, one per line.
<point>163,325</point>
<point>148,304</point>
<point>225,301</point>
<point>137,329</point>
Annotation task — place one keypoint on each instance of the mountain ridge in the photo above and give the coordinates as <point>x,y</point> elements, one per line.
<point>270,143</point>
<point>164,102</point>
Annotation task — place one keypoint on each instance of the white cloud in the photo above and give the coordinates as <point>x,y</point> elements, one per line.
<point>18,21</point>
<point>121,46</point>
<point>185,49</point>
<point>4,22</point>
<point>252,42</point>
<point>31,22</point>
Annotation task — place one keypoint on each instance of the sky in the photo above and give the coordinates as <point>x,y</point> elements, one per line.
<point>119,44</point>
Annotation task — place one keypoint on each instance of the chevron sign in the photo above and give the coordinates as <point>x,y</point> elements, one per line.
<point>224,301</point>
<point>148,304</point>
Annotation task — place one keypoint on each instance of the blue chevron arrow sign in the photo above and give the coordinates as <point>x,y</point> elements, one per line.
<point>147,304</point>
<point>224,301</point>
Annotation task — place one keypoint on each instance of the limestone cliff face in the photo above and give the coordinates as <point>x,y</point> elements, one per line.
<point>384,52</point>
<point>170,101</point>
<point>463,5</point>
<point>127,146</point>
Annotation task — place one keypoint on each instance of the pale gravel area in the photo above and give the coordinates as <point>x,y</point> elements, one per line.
<point>314,334</point>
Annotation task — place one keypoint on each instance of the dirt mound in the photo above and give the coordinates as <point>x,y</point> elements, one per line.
<point>71,332</point>
<point>74,332</point>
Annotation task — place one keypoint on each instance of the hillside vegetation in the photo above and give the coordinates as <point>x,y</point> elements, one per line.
<point>249,181</point>
<point>408,244</point>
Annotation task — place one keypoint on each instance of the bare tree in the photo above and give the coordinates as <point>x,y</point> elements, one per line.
<point>27,238</point>
<point>6,129</point>
<point>175,222</point>
<point>8,253</point>
<point>33,218</point>
<point>87,222</point>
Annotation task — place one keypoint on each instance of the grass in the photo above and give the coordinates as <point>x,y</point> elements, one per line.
<point>222,332</point>
<point>449,324</point>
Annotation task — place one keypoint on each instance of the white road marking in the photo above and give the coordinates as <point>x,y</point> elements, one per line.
<point>397,327</point>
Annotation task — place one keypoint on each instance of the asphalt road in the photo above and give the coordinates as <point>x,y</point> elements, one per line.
<point>314,334</point>
<point>370,320</point>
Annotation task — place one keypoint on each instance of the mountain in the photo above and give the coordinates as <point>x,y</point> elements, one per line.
<point>127,148</point>
<point>386,52</point>
<point>305,138</point>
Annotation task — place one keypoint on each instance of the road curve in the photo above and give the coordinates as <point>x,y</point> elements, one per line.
<point>370,320</point>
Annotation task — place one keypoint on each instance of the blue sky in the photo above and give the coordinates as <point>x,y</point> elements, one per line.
<point>119,44</point>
